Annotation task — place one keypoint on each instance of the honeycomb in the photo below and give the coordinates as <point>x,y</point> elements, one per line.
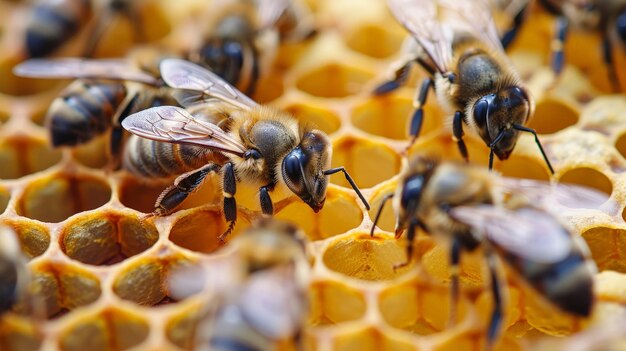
<point>102,270</point>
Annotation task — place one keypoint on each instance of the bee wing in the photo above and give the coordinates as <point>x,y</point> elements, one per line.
<point>528,232</point>
<point>174,124</point>
<point>553,196</point>
<point>269,11</point>
<point>83,68</point>
<point>181,74</point>
<point>420,18</point>
<point>477,16</point>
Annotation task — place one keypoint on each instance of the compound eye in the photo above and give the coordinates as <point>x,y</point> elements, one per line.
<point>292,170</point>
<point>481,108</point>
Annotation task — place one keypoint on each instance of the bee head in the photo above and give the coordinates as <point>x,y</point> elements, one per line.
<point>303,169</point>
<point>496,116</point>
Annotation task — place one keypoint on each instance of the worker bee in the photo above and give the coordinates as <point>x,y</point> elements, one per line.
<point>515,219</point>
<point>14,276</point>
<point>53,22</point>
<point>469,72</point>
<point>605,17</point>
<point>248,142</point>
<point>108,90</point>
<point>243,36</point>
<point>262,300</point>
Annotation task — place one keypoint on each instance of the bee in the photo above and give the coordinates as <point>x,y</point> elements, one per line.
<point>264,301</point>
<point>14,276</point>
<point>53,22</point>
<point>241,41</point>
<point>513,219</point>
<point>106,92</point>
<point>605,17</point>
<point>250,143</point>
<point>458,45</point>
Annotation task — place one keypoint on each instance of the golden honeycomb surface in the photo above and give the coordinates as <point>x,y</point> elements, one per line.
<point>101,271</point>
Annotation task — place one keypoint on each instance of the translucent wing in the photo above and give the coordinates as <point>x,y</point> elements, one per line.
<point>83,68</point>
<point>420,18</point>
<point>176,125</point>
<point>183,74</point>
<point>549,195</point>
<point>476,14</point>
<point>528,233</point>
<point>269,11</point>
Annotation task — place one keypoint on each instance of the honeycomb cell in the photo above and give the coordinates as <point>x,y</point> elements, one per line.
<point>369,339</point>
<point>474,341</point>
<point>588,177</point>
<point>362,257</point>
<point>94,153</point>
<point>340,214</point>
<point>180,329</point>
<point>387,220</point>
<point>333,302</point>
<point>334,80</point>
<point>106,238</point>
<point>374,40</point>
<point>70,194</point>
<point>5,197</point>
<point>111,329</point>
<point>199,230</point>
<point>18,335</point>
<point>22,156</point>
<point>139,194</point>
<point>523,167</point>
<point>552,115</point>
<point>46,290</point>
<point>620,145</point>
<point>77,286</point>
<point>389,116</point>
<point>607,247</point>
<point>269,87</point>
<point>320,118</point>
<point>34,237</point>
<point>368,163</point>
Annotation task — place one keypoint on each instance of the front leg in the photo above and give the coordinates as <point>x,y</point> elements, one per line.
<point>267,207</point>
<point>229,185</point>
<point>457,134</point>
<point>184,184</point>
<point>400,77</point>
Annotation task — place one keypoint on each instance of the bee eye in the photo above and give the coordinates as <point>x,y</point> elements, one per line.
<point>481,108</point>
<point>292,172</point>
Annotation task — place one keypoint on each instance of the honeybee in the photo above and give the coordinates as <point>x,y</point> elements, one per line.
<point>14,276</point>
<point>605,17</point>
<point>264,300</point>
<point>108,90</point>
<point>514,219</point>
<point>248,143</point>
<point>53,22</point>
<point>458,45</point>
<point>243,36</point>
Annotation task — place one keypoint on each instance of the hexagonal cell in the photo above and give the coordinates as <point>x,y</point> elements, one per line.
<point>552,115</point>
<point>374,40</point>
<point>523,167</point>
<point>369,339</point>
<point>93,154</point>
<point>180,329</point>
<point>19,335</point>
<point>334,80</point>
<point>333,302</point>
<point>340,214</point>
<point>435,260</point>
<point>59,196</point>
<point>140,195</point>
<point>112,329</point>
<point>387,220</point>
<point>199,230</point>
<point>148,273</point>
<point>317,117</point>
<point>588,177</point>
<point>5,197</point>
<point>65,287</point>
<point>363,257</point>
<point>106,238</point>
<point>368,163</point>
<point>608,247</point>
<point>34,237</point>
<point>22,156</point>
<point>389,116</point>
<point>471,341</point>
<point>268,88</point>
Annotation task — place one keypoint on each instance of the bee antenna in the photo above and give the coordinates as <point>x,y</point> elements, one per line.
<point>492,145</point>
<point>380,211</point>
<point>534,133</point>
<point>352,183</point>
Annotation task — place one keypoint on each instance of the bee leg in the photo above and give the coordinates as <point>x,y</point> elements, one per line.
<point>176,193</point>
<point>455,260</point>
<point>557,45</point>
<point>534,133</point>
<point>267,207</point>
<point>352,184</point>
<point>410,237</point>
<point>457,134</point>
<point>400,77</point>
<point>607,54</point>
<point>383,201</point>
<point>511,34</point>
<point>229,185</point>
<point>418,116</point>
<point>496,315</point>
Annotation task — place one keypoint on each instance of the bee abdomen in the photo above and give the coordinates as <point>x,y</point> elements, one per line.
<point>52,23</point>
<point>149,158</point>
<point>84,112</point>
